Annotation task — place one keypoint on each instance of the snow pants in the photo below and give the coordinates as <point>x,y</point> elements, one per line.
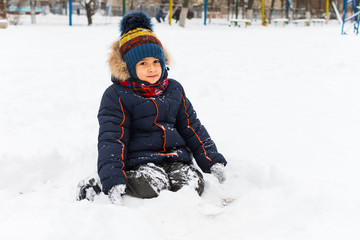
<point>148,180</point>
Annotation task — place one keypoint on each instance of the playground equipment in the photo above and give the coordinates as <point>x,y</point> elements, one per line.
<point>263,13</point>
<point>339,18</point>
<point>354,18</point>
<point>278,20</point>
<point>70,12</point>
<point>3,23</point>
<point>205,11</point>
<point>236,21</point>
<point>171,11</point>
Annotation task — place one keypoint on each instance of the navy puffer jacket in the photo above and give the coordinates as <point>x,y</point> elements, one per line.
<point>135,130</point>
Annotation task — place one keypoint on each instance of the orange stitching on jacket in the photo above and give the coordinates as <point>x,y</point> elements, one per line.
<point>187,117</point>
<point>164,149</point>
<point>157,114</point>
<point>168,154</point>
<point>122,134</point>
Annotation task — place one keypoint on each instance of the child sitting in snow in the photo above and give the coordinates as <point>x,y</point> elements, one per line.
<point>148,127</point>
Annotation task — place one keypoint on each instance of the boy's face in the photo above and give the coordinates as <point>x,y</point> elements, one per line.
<point>149,70</point>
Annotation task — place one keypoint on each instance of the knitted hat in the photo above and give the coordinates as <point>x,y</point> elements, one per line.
<point>138,41</point>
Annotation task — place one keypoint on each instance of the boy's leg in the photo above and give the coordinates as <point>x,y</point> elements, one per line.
<point>147,181</point>
<point>181,174</point>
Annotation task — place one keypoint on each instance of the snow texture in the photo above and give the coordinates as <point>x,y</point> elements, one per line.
<point>281,103</point>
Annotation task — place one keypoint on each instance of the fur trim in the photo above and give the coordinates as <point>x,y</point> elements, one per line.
<point>118,66</point>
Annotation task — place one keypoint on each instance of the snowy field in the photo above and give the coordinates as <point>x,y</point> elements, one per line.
<point>281,103</point>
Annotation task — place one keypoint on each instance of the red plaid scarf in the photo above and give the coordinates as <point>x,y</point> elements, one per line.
<point>145,90</point>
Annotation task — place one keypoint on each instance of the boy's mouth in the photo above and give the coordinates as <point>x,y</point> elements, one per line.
<point>153,76</point>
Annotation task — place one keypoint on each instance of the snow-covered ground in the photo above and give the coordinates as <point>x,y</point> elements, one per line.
<point>281,103</point>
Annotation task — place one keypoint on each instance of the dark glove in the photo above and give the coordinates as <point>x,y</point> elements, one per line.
<point>88,188</point>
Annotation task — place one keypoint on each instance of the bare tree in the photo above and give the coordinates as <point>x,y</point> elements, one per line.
<point>271,9</point>
<point>3,9</point>
<point>307,6</point>
<point>249,11</point>
<point>184,12</point>
<point>91,7</point>
<point>228,6</point>
<point>32,11</point>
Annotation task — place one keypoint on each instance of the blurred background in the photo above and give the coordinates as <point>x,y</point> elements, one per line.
<point>215,9</point>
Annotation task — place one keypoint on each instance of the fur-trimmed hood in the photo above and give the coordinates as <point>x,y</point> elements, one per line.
<point>118,66</point>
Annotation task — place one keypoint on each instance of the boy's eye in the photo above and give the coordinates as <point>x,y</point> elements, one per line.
<point>157,61</point>
<point>142,63</point>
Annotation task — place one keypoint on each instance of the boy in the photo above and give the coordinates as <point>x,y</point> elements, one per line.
<point>148,128</point>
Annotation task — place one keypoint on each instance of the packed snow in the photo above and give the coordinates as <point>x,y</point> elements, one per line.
<point>281,103</point>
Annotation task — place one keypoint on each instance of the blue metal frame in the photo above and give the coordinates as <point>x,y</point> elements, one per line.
<point>287,8</point>
<point>205,11</point>
<point>70,12</point>
<point>354,17</point>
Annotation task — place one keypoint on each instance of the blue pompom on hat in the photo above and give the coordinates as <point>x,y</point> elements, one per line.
<point>136,19</point>
<point>138,41</point>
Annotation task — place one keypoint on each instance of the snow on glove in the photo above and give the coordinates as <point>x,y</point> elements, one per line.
<point>116,192</point>
<point>88,188</point>
<point>218,171</point>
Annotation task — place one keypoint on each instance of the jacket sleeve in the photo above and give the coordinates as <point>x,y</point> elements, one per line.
<point>196,137</point>
<point>113,139</point>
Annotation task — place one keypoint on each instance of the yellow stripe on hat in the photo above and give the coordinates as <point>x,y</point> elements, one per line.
<point>135,33</point>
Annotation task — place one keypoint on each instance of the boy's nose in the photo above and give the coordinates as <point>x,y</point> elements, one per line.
<point>151,67</point>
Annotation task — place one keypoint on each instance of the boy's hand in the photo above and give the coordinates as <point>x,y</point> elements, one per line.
<point>218,171</point>
<point>115,193</point>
